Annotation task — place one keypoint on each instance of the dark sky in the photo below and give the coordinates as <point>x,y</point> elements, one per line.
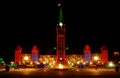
<point>27,23</point>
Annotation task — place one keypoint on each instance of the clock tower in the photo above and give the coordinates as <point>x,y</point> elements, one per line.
<point>60,39</point>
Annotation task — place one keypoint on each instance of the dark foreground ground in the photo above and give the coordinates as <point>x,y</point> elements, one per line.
<point>53,73</point>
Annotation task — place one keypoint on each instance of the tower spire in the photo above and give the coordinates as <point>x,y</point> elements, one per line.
<point>60,19</point>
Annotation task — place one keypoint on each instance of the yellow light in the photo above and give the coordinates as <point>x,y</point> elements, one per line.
<point>12,62</point>
<point>37,62</point>
<point>111,64</point>
<point>44,62</point>
<point>78,62</point>
<point>116,53</point>
<point>68,62</point>
<point>53,62</point>
<point>31,63</point>
<point>60,66</point>
<point>26,58</point>
<point>84,63</point>
<point>91,63</point>
<point>96,58</point>
<point>23,62</point>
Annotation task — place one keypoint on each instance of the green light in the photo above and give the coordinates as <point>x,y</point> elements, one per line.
<point>67,48</point>
<point>108,65</point>
<point>54,48</point>
<point>12,65</point>
<point>50,65</point>
<point>61,16</point>
<point>1,60</point>
<point>71,65</point>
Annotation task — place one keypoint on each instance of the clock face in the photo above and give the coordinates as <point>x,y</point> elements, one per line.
<point>60,24</point>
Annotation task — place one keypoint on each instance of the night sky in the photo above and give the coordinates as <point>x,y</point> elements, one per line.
<point>29,23</point>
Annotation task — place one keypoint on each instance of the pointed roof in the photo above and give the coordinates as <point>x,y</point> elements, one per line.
<point>60,19</point>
